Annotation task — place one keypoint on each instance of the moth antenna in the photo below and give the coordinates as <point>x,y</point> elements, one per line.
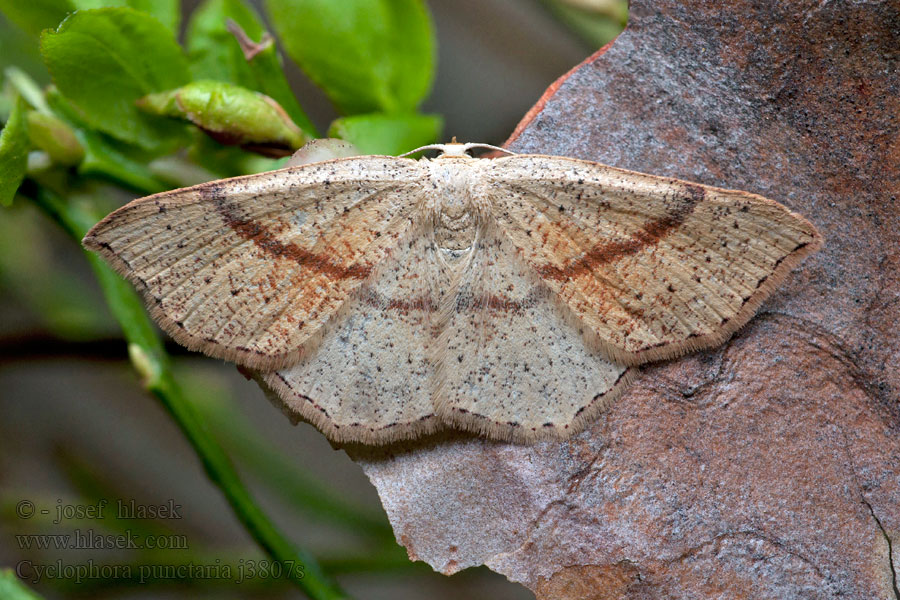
<point>455,149</point>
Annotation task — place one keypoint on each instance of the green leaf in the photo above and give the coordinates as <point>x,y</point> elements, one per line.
<point>167,11</point>
<point>27,87</point>
<point>367,55</point>
<point>11,588</point>
<point>215,53</point>
<point>387,134</point>
<point>104,60</point>
<point>14,146</point>
<point>36,15</point>
<point>20,85</point>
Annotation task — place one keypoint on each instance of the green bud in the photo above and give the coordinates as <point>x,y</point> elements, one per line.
<point>322,149</point>
<point>55,137</point>
<point>230,114</point>
<point>146,367</point>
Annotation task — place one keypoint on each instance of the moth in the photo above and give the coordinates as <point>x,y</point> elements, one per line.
<point>382,298</point>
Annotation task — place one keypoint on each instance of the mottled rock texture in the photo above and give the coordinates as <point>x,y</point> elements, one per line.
<point>770,467</point>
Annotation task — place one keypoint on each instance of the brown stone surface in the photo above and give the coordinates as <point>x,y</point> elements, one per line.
<point>770,467</point>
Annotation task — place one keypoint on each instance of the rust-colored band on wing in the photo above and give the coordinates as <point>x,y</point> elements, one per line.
<point>649,235</point>
<point>656,267</point>
<point>267,241</point>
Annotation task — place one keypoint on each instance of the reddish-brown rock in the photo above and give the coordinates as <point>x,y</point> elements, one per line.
<point>770,467</point>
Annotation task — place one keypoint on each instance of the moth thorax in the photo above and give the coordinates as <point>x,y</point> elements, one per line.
<point>454,209</point>
<point>455,231</point>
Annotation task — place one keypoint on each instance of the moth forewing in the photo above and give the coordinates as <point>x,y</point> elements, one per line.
<point>248,269</point>
<point>657,267</point>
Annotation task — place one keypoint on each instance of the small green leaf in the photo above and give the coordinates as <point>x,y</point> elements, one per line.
<point>216,53</point>
<point>387,134</point>
<point>167,11</point>
<point>14,146</point>
<point>27,87</point>
<point>11,588</point>
<point>36,15</point>
<point>367,55</point>
<point>104,60</point>
<point>231,115</point>
<point>55,137</point>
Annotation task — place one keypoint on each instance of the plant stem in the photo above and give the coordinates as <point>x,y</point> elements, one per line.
<point>151,361</point>
<point>294,486</point>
